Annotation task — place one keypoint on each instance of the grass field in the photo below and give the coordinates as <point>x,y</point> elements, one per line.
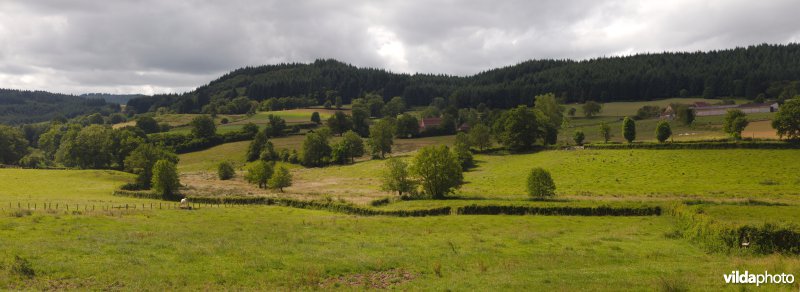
<point>710,173</point>
<point>705,127</point>
<point>600,173</point>
<point>629,108</point>
<point>280,248</point>
<point>67,186</point>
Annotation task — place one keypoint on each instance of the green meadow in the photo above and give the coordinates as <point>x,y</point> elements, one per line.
<point>268,248</point>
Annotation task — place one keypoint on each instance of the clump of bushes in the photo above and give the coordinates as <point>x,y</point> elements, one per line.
<point>540,184</point>
<point>225,170</point>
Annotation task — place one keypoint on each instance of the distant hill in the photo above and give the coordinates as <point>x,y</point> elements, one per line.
<point>113,98</point>
<point>772,70</point>
<point>19,106</point>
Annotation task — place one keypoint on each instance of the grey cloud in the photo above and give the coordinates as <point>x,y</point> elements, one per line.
<point>172,46</point>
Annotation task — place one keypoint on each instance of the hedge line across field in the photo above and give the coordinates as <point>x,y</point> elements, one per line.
<point>558,210</point>
<point>721,237</point>
<point>697,145</point>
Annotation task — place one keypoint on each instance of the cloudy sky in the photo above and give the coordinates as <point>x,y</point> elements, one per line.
<point>156,46</point>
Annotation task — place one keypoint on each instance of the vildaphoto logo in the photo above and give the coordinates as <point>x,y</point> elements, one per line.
<point>766,278</point>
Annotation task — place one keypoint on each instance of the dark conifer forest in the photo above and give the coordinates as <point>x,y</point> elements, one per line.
<point>772,70</point>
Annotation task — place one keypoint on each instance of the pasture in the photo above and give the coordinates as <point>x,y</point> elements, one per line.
<point>267,248</point>
<point>592,174</point>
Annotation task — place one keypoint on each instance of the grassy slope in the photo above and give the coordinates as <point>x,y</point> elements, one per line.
<point>707,127</point>
<point>712,173</point>
<point>280,248</point>
<point>29,185</point>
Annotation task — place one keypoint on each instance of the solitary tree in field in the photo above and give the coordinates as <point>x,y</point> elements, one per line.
<point>540,183</point>
<point>203,127</point>
<point>787,120</point>
<point>165,178</point>
<point>571,112</point>
<point>381,137</point>
<point>397,177</point>
<point>629,129</point>
<point>735,122</point>
<point>578,137</point>
<point>315,118</point>
<point>605,132</point>
<point>480,136</point>
<point>258,173</point>
<point>663,131</point>
<point>438,170</point>
<point>591,108</point>
<point>225,170</point>
<point>280,179</point>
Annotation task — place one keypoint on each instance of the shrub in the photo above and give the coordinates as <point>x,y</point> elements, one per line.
<point>225,170</point>
<point>540,183</point>
<point>735,122</point>
<point>605,132</point>
<point>663,131</point>
<point>578,137</point>
<point>629,129</point>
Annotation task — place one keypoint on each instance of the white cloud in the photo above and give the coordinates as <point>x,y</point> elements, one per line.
<point>153,46</point>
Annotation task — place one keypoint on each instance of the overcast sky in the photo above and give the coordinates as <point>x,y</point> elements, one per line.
<point>157,46</point>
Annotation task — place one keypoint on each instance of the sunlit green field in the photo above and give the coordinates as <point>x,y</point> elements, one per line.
<point>279,248</point>
<point>707,173</point>
<point>66,186</point>
<point>259,248</point>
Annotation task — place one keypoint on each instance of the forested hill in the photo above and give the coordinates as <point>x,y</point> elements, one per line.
<point>19,107</point>
<point>112,98</point>
<point>772,70</point>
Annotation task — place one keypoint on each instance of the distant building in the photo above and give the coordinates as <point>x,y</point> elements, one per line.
<point>429,123</point>
<point>668,113</point>
<point>463,128</point>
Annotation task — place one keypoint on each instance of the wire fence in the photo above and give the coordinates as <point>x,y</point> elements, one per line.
<point>108,206</point>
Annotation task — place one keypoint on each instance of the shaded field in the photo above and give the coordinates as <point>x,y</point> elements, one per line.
<point>705,127</point>
<point>281,248</point>
<point>629,108</point>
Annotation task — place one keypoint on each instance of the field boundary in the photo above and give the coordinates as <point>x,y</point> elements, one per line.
<point>558,210</point>
<point>696,145</point>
